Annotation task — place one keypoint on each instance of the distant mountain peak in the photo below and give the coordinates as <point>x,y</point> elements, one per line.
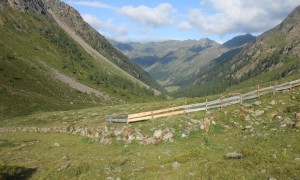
<point>239,41</point>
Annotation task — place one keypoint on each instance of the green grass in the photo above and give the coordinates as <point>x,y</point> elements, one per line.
<point>267,153</point>
<point>31,47</point>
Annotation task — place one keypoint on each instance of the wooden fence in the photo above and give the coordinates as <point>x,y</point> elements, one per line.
<point>204,106</point>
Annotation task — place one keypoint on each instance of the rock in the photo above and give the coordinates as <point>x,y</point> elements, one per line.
<point>257,103</point>
<point>234,155</point>
<point>56,144</point>
<point>287,122</point>
<point>246,105</point>
<point>150,140</point>
<point>248,127</point>
<point>157,133</point>
<point>202,126</point>
<point>139,136</point>
<point>183,135</point>
<point>247,118</point>
<point>273,102</point>
<point>298,116</point>
<point>259,112</point>
<point>63,167</point>
<point>263,171</point>
<point>297,125</point>
<point>194,121</point>
<point>168,136</point>
<point>213,122</point>
<point>226,127</point>
<point>297,159</point>
<point>176,165</point>
<point>131,137</point>
<point>117,131</point>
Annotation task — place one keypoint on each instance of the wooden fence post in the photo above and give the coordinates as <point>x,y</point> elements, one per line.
<point>257,91</point>
<point>241,99</point>
<point>221,103</point>
<point>206,105</point>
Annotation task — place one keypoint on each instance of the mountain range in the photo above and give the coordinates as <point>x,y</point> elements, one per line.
<point>198,68</point>
<point>52,60</point>
<point>173,62</point>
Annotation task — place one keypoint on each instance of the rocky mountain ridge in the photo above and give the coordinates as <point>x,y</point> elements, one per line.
<point>273,55</point>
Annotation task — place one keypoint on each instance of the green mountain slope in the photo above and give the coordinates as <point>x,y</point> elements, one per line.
<point>173,62</point>
<point>43,69</point>
<point>71,18</point>
<point>274,55</point>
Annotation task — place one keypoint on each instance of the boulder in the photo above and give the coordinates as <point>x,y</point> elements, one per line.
<point>167,136</point>
<point>259,113</point>
<point>176,165</point>
<point>297,125</point>
<point>157,133</point>
<point>234,155</point>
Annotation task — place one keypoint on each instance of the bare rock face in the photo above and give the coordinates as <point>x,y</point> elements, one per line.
<point>35,6</point>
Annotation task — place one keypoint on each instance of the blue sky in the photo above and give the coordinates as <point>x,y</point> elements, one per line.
<point>157,20</point>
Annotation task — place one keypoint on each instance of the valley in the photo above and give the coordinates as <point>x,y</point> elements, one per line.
<point>60,80</point>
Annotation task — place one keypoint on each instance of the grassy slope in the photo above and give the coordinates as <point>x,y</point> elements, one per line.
<point>269,153</point>
<point>31,47</point>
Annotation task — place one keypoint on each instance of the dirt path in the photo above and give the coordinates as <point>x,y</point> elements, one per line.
<point>78,86</point>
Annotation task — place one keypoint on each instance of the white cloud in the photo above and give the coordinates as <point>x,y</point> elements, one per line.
<point>92,4</point>
<point>106,27</point>
<point>240,16</point>
<point>184,26</point>
<point>161,15</point>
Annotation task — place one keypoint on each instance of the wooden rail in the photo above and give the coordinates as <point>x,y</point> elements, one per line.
<point>204,106</point>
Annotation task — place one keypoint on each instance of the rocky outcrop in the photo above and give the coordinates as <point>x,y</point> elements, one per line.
<point>35,6</point>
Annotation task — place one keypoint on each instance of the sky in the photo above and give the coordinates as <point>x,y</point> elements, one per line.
<point>158,20</point>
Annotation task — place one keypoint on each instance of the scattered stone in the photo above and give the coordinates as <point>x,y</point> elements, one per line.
<point>226,127</point>
<point>157,133</point>
<point>202,126</point>
<point>263,171</point>
<point>150,140</point>
<point>274,129</point>
<point>131,137</point>
<point>282,125</point>
<point>248,127</point>
<point>257,103</point>
<point>56,144</point>
<point>117,131</point>
<point>287,122</point>
<point>63,167</point>
<point>273,102</point>
<point>234,155</point>
<point>289,146</point>
<point>298,116</point>
<point>176,165</point>
<point>246,105</point>
<point>259,112</point>
<point>168,136</point>
<point>247,118</point>
<point>213,122</point>
<point>183,135</point>
<point>297,159</point>
<point>297,125</point>
<point>194,121</point>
